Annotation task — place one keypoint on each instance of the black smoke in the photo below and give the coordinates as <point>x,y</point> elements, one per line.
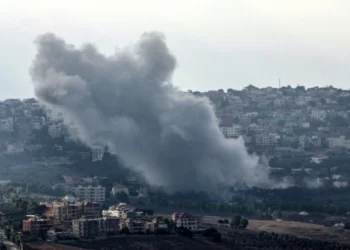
<point>127,102</point>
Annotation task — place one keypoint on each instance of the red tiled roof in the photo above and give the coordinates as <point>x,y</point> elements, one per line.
<point>185,216</point>
<point>49,205</point>
<point>119,186</point>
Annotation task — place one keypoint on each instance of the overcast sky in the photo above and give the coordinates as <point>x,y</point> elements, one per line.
<point>217,43</point>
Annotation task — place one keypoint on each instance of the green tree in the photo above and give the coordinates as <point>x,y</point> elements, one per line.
<point>2,246</point>
<point>7,233</point>
<point>32,207</point>
<point>125,230</point>
<point>236,220</point>
<point>122,197</point>
<point>243,223</point>
<point>13,237</point>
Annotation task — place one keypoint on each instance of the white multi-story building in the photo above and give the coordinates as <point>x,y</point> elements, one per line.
<point>37,122</point>
<point>6,124</point>
<point>185,220</point>
<point>318,114</point>
<point>3,110</point>
<point>339,142</point>
<point>15,148</point>
<point>55,130</point>
<point>119,211</point>
<point>97,153</point>
<point>90,193</point>
<point>265,141</point>
<point>54,116</point>
<point>228,131</point>
<point>231,131</point>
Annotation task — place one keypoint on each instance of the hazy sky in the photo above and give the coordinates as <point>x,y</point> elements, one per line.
<point>217,43</point>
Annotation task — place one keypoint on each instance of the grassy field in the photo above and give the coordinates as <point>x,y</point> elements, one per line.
<point>148,242</point>
<point>299,229</point>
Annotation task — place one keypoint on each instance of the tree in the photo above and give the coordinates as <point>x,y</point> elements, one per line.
<point>236,220</point>
<point>122,197</point>
<point>7,233</point>
<point>13,237</point>
<point>125,230</point>
<point>243,223</point>
<point>31,207</point>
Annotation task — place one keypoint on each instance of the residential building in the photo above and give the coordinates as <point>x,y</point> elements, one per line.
<point>64,211</point>
<point>37,226</point>
<point>339,142</point>
<point>185,220</point>
<point>134,226</point>
<point>91,209</point>
<point>228,131</point>
<point>318,114</point>
<point>37,122</point>
<point>55,130</point>
<point>54,116</point>
<point>156,225</point>
<point>122,210</point>
<point>52,235</point>
<point>89,228</point>
<point>86,228</point>
<point>3,110</point>
<point>90,193</point>
<point>6,124</point>
<point>15,148</point>
<point>265,141</point>
<point>109,226</point>
<point>97,153</point>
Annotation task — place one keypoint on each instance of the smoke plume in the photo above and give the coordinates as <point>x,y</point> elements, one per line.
<point>127,102</point>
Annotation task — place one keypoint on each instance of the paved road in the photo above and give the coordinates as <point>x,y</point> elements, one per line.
<point>9,245</point>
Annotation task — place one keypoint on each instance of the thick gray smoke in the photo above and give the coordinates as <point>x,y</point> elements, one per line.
<point>126,101</point>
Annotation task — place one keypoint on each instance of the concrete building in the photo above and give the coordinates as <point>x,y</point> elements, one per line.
<point>91,209</point>
<point>338,142</point>
<point>134,226</point>
<point>54,116</point>
<point>15,148</point>
<point>37,122</point>
<point>36,226</point>
<point>86,228</point>
<point>65,211</point>
<point>109,226</point>
<point>318,114</point>
<point>6,124</point>
<point>265,141</point>
<point>90,193</point>
<point>122,210</point>
<point>185,220</point>
<point>97,153</point>
<point>89,228</point>
<point>55,130</point>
